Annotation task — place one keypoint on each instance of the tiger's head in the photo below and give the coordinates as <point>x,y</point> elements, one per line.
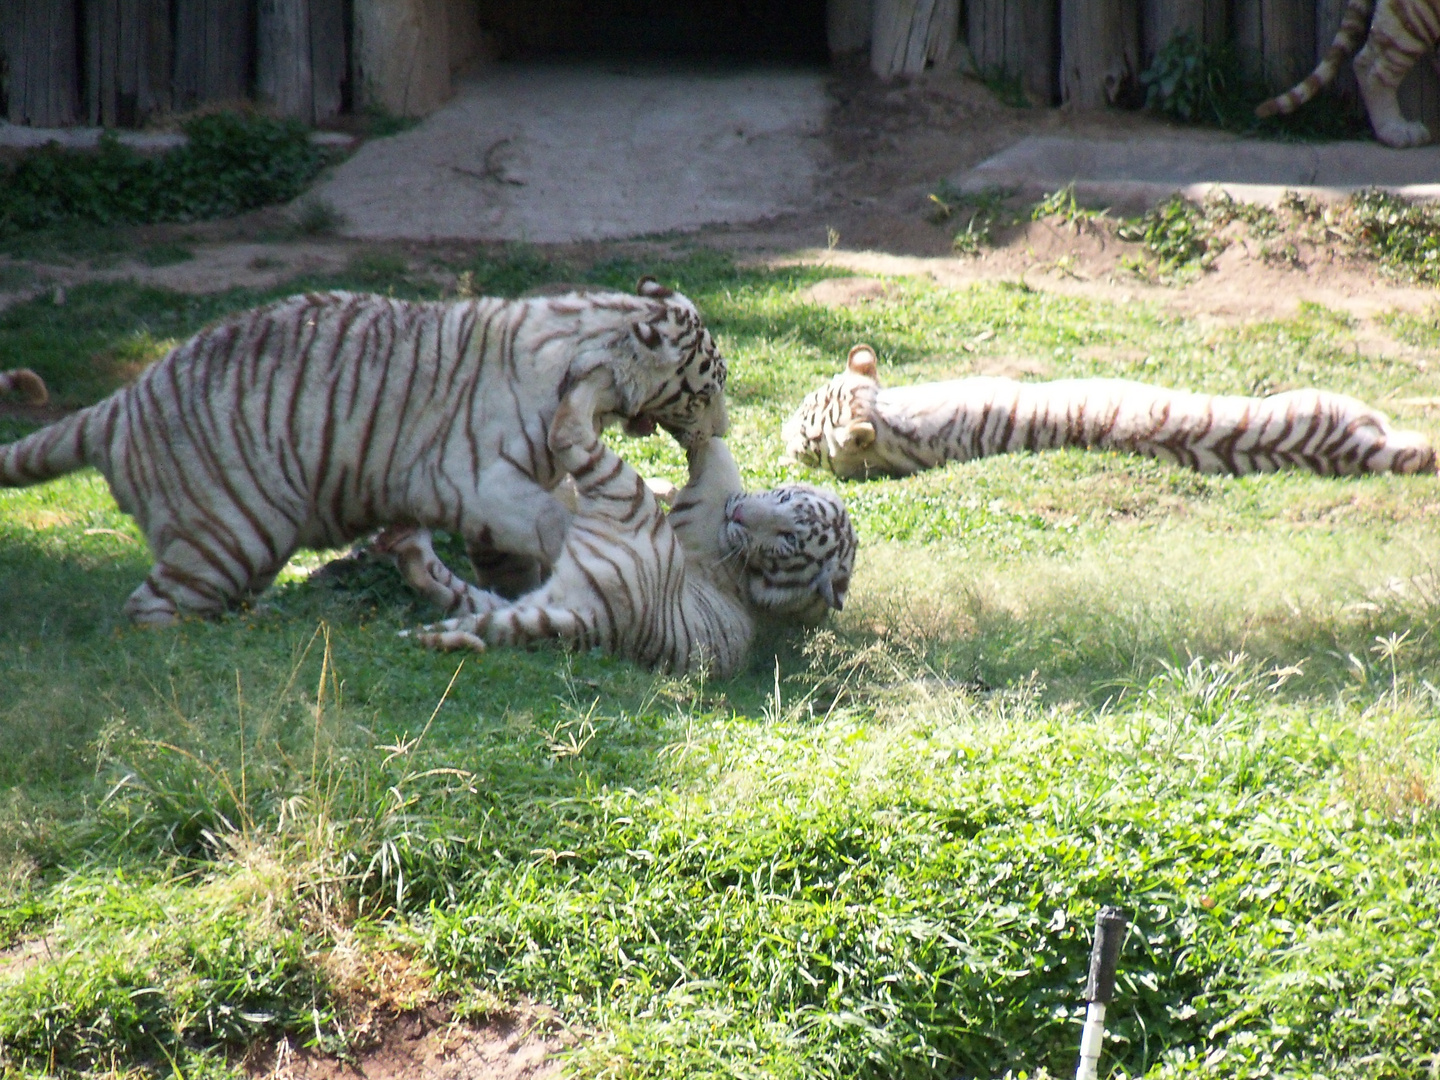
<point>836,426</point>
<point>797,548</point>
<point>678,380</point>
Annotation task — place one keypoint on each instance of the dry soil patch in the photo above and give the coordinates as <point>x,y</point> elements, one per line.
<point>425,1045</point>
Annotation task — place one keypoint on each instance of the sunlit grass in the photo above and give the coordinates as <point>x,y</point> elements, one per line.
<point>1060,680</point>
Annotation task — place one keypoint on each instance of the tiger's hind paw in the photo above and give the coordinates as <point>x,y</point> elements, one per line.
<point>1401,134</point>
<point>457,633</point>
<point>447,638</point>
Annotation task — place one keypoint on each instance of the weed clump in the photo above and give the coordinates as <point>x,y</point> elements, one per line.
<point>980,210</point>
<point>1403,236</point>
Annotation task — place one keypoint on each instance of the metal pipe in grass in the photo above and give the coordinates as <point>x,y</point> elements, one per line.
<point>1110,926</point>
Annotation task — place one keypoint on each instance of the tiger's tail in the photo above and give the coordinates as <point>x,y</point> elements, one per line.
<point>24,381</point>
<point>52,451</point>
<point>1354,25</point>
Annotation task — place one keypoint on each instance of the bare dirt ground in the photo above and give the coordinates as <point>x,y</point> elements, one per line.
<point>427,1045</point>
<point>886,149</point>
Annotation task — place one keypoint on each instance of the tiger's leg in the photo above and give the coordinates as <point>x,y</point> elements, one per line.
<point>185,578</point>
<point>1379,69</point>
<point>503,572</point>
<point>426,573</point>
<point>517,515</point>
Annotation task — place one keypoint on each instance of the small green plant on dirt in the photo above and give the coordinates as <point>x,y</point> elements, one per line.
<point>318,217</point>
<point>1188,80</point>
<point>232,162</point>
<point>379,123</point>
<point>1403,236</point>
<point>980,210</point>
<point>1062,206</point>
<point>1008,89</point>
<point>1177,237</point>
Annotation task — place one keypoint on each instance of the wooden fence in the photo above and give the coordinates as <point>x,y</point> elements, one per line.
<point>119,62</point>
<point>1090,53</point>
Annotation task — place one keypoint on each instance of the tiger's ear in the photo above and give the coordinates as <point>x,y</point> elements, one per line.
<point>862,361</point>
<point>861,434</point>
<point>648,286</point>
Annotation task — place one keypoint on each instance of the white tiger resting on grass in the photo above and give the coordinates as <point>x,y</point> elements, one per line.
<point>314,420</point>
<point>856,429</point>
<point>1400,32</point>
<point>678,591</point>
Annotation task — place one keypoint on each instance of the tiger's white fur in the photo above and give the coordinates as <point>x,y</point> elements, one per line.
<point>856,429</point>
<point>313,420</point>
<point>1400,32</point>
<point>679,592</point>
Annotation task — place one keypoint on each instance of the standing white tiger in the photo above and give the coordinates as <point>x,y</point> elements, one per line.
<point>679,591</point>
<point>314,420</point>
<point>1400,33</point>
<point>856,429</point>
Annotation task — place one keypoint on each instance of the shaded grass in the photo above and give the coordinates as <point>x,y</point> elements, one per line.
<point>878,851</point>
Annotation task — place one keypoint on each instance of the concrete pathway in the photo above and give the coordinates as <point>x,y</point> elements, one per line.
<point>563,153</point>
<point>1149,170</point>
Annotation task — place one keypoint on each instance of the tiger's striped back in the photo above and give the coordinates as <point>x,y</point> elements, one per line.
<point>857,429</point>
<point>315,419</point>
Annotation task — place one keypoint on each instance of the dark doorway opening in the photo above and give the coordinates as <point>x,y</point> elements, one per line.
<point>786,31</point>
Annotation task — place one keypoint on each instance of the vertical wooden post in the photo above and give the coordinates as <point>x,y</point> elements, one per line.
<point>1288,35</point>
<point>1248,38</point>
<point>1161,20</point>
<point>329,64</point>
<point>127,60</point>
<point>1275,40</point>
<point>1016,39</point>
<point>283,76</point>
<point>402,61</point>
<point>1099,52</point>
<point>847,25</point>
<point>908,35</point>
<point>214,51</point>
<point>37,38</point>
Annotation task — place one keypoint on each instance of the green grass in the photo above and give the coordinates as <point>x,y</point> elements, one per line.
<point>1060,681</point>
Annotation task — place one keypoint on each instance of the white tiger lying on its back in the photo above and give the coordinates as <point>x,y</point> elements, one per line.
<point>314,420</point>
<point>680,591</point>
<point>856,429</point>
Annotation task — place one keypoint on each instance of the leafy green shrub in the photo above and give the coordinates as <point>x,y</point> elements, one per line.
<point>232,163</point>
<point>1189,81</point>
